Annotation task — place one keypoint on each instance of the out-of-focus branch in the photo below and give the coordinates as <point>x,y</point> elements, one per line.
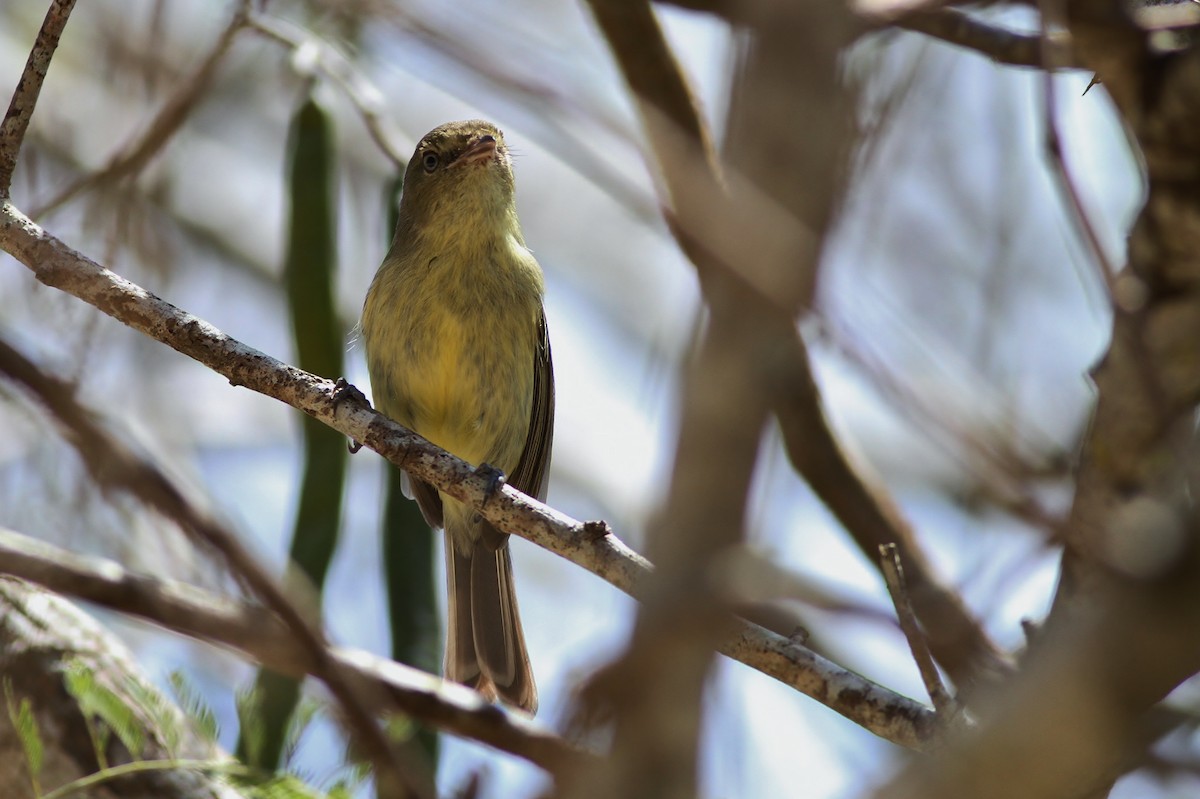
<point>1094,678</point>
<point>43,637</point>
<point>961,29</point>
<point>1120,635</point>
<point>29,86</point>
<point>115,467</point>
<point>655,688</point>
<point>258,634</point>
<point>714,239</point>
<point>873,520</point>
<point>755,276</point>
<point>893,575</point>
<point>1149,381</point>
<point>1054,56</point>
<point>132,158</point>
<point>365,97</point>
<point>590,545</point>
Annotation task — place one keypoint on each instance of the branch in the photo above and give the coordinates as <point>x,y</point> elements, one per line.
<point>715,235</point>
<point>950,25</point>
<point>589,545</point>
<point>1120,635</point>
<point>114,467</point>
<point>132,158</point>
<point>43,637</point>
<point>756,270</point>
<point>893,574</point>
<point>29,86</point>
<point>964,30</point>
<point>867,511</point>
<point>259,635</point>
<point>364,96</point>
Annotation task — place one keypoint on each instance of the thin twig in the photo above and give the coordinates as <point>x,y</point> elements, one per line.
<point>1122,299</point>
<point>258,634</point>
<point>959,28</point>
<point>362,94</point>
<point>893,575</point>
<point>133,157</point>
<point>29,86</point>
<point>1053,57</point>
<point>115,467</point>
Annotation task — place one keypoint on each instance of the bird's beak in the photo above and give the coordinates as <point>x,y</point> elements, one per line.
<point>481,150</point>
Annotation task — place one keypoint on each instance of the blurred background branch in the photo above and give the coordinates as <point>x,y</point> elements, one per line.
<point>253,630</point>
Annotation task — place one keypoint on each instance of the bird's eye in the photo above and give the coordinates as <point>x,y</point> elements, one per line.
<point>430,161</point>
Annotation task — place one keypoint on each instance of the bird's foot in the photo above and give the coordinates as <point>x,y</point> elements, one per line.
<point>345,391</point>
<point>495,480</point>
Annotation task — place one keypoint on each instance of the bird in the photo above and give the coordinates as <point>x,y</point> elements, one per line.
<point>457,349</point>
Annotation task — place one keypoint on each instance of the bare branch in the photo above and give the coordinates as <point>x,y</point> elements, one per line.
<point>947,24</point>
<point>258,634</point>
<point>714,234</point>
<point>873,519</point>
<point>893,574</point>
<point>1054,57</point>
<point>115,467</point>
<point>29,86</point>
<point>1120,635</point>
<point>365,97</point>
<point>959,28</point>
<point>131,159</point>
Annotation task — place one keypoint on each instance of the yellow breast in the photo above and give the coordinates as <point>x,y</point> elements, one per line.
<point>451,353</point>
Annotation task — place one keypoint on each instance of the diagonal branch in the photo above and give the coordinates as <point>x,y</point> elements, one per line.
<point>29,86</point>
<point>365,97</point>
<point>132,158</point>
<point>956,27</point>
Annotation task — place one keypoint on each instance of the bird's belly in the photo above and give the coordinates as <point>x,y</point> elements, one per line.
<point>470,390</point>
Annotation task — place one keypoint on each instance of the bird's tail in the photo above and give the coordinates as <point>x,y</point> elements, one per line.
<point>485,646</point>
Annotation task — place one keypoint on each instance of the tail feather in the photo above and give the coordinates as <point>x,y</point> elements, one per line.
<point>460,665</point>
<point>485,644</point>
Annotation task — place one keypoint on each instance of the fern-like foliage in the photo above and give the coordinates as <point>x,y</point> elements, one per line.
<point>104,711</point>
<point>24,722</point>
<point>197,711</point>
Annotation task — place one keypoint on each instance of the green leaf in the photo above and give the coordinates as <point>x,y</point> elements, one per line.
<point>97,701</point>
<point>198,712</point>
<point>24,722</point>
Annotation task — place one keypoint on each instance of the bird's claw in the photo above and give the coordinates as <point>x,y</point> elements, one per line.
<point>495,480</point>
<point>345,391</point>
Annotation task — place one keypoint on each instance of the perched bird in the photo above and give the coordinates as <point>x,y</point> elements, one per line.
<point>457,349</point>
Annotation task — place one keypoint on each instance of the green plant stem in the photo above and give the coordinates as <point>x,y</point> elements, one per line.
<point>142,766</point>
